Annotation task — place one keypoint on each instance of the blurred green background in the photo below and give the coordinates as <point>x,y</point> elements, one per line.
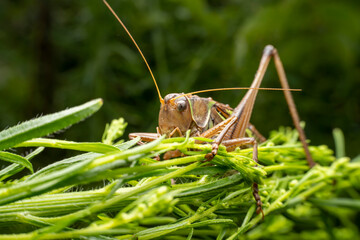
<point>57,54</point>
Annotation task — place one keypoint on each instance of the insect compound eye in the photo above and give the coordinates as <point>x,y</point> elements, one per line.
<point>181,105</point>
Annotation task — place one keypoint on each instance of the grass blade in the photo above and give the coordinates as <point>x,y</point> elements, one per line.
<point>13,158</point>
<point>15,168</point>
<point>47,124</point>
<point>55,143</point>
<point>339,143</point>
<point>337,202</point>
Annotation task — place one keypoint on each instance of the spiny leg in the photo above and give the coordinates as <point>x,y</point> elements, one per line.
<point>217,128</point>
<point>219,139</point>
<point>243,111</point>
<point>233,143</point>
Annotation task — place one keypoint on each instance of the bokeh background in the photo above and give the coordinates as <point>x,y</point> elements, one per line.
<point>58,54</point>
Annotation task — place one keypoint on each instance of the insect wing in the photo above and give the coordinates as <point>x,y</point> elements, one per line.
<point>200,110</point>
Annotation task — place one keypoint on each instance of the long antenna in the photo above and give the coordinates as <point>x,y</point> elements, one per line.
<point>133,40</point>
<point>236,88</point>
<point>243,88</point>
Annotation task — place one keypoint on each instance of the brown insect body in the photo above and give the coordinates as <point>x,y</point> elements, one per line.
<point>208,118</point>
<point>181,112</point>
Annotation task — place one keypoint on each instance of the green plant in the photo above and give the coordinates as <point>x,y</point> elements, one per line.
<point>118,191</point>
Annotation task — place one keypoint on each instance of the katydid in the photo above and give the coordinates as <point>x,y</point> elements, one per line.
<point>205,117</point>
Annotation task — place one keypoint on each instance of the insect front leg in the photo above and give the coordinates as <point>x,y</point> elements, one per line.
<point>176,131</point>
<point>149,137</point>
<point>144,137</point>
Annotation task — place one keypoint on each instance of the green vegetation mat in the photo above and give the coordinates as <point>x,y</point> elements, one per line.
<point>120,191</point>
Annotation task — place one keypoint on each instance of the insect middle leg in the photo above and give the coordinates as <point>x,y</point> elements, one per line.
<point>231,145</point>
<point>258,136</point>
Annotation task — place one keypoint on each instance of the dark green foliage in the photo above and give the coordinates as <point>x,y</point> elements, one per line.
<point>60,53</point>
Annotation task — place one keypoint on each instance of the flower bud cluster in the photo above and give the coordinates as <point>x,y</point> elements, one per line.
<point>151,204</point>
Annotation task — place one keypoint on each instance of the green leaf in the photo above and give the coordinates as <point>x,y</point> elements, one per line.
<point>337,202</point>
<point>13,158</point>
<point>55,143</point>
<point>15,168</point>
<point>339,143</point>
<point>47,124</point>
<point>216,185</point>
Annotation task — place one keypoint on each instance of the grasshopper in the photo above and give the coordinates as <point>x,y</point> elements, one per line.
<point>207,118</point>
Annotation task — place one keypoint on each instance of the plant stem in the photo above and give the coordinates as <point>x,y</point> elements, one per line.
<point>51,232</point>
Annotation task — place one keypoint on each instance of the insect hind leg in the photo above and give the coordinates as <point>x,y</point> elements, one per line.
<point>291,104</point>
<point>244,109</point>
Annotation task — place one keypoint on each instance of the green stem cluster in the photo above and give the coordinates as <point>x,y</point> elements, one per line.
<point>181,198</point>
